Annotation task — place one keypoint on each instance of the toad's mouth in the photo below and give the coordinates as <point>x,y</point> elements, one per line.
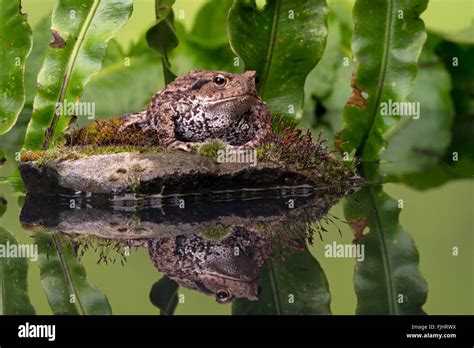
<point>245,97</point>
<point>241,278</point>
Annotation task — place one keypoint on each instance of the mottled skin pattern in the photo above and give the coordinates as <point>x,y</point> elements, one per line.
<point>227,268</point>
<point>207,105</point>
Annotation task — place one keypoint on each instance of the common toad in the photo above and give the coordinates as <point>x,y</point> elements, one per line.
<point>207,105</point>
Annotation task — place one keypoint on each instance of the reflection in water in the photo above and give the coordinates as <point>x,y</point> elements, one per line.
<point>215,243</point>
<point>224,268</point>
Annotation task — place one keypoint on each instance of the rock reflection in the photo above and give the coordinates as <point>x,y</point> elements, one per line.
<point>215,243</point>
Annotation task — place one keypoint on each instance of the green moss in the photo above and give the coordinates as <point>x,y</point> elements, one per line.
<point>218,232</point>
<point>30,156</point>
<point>296,150</point>
<point>133,183</point>
<point>64,153</point>
<point>136,167</point>
<point>261,227</point>
<point>58,153</point>
<point>99,150</point>
<point>264,150</point>
<point>211,148</point>
<point>113,178</point>
<point>109,132</point>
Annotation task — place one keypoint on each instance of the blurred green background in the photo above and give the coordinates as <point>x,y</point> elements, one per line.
<point>438,219</point>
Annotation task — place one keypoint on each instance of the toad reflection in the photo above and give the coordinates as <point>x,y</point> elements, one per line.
<point>227,268</point>
<point>215,247</point>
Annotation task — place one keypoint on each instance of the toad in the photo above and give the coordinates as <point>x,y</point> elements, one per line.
<point>206,105</point>
<point>227,268</point>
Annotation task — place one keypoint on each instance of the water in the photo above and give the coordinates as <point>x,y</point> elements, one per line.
<point>118,240</point>
<point>217,243</point>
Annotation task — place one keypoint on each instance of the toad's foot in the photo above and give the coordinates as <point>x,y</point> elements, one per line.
<point>138,118</point>
<point>184,146</point>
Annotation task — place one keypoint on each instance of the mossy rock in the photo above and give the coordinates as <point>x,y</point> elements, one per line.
<point>217,232</point>
<point>289,159</point>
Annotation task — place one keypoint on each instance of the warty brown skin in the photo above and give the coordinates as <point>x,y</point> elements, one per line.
<point>207,105</point>
<point>214,267</point>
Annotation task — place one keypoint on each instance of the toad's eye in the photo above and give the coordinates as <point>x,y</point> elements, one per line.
<point>220,80</point>
<point>222,296</point>
<point>257,80</point>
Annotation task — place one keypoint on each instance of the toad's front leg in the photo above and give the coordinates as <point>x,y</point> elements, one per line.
<point>261,121</point>
<point>160,118</point>
<point>263,134</point>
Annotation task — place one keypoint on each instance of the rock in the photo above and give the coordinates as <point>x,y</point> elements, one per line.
<point>153,173</point>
